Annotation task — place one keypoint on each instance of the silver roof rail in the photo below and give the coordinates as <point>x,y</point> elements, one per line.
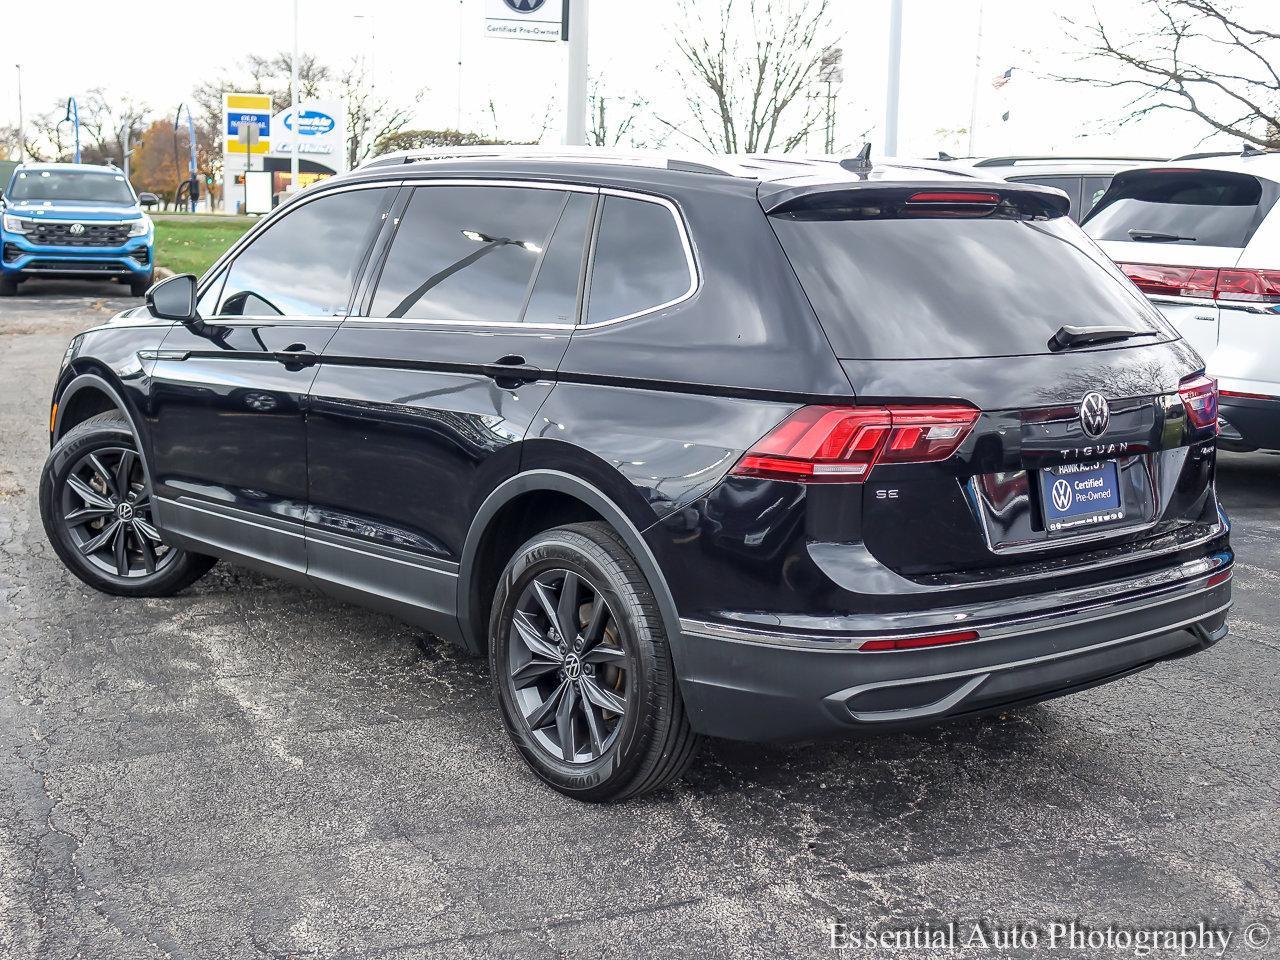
<point>690,162</point>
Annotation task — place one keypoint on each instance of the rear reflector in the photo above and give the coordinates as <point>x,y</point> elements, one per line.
<point>1218,578</point>
<point>1205,283</point>
<point>842,444</point>
<point>914,643</point>
<point>1200,398</point>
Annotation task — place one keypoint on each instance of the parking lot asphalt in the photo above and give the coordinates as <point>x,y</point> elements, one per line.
<point>250,769</point>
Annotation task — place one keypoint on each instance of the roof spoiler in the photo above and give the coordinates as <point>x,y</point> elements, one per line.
<point>781,196</point>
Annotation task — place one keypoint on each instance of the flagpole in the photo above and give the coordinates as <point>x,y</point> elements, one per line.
<point>977,74</point>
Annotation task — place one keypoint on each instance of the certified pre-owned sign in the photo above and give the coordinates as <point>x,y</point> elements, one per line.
<point>523,19</point>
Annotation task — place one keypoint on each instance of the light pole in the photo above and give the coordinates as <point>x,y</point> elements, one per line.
<point>191,135</point>
<point>574,29</point>
<point>22,136</point>
<point>125,149</point>
<point>895,73</point>
<point>73,114</point>
<point>293,95</point>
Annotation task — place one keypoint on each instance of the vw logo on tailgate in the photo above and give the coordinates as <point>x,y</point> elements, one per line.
<point>1095,414</point>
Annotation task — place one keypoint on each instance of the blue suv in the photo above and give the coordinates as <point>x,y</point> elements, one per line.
<point>74,220</point>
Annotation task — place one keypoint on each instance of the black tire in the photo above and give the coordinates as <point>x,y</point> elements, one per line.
<point>144,566</point>
<point>139,288</point>
<point>615,755</point>
<point>8,286</point>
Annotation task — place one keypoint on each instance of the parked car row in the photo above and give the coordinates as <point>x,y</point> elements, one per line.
<point>750,447</point>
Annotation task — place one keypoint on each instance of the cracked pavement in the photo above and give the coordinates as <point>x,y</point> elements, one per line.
<point>250,769</point>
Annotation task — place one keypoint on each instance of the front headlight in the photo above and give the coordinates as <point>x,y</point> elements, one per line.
<point>140,227</point>
<point>14,224</point>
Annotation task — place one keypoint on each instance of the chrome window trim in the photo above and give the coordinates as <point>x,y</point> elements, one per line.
<point>691,262</point>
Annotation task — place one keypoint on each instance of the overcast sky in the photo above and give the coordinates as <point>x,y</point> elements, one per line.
<point>140,48</point>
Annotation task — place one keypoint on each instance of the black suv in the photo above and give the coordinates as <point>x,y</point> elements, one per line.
<point>750,449</point>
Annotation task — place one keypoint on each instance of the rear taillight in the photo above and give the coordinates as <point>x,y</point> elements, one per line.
<point>1200,396</point>
<point>1258,285</point>
<point>842,444</point>
<point>1205,283</point>
<point>1171,281</point>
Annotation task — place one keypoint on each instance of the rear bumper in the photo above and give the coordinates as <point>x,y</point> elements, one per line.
<point>1255,420</point>
<point>754,685</point>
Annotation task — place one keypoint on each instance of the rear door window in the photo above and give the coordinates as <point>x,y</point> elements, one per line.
<point>1206,208</point>
<point>468,254</point>
<point>889,282</point>
<point>640,263</point>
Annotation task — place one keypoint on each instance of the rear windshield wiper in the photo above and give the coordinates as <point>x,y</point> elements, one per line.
<point>1157,236</point>
<point>1069,336</point>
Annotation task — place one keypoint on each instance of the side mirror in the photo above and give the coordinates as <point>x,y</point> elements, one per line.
<point>174,299</point>
<point>148,200</point>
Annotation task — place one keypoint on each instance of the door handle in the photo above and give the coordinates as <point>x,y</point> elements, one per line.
<point>512,369</point>
<point>296,356</point>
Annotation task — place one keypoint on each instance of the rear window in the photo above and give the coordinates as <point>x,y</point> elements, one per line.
<point>890,283</point>
<point>1205,208</point>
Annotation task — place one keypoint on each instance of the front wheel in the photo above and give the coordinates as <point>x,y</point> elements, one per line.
<point>139,288</point>
<point>582,668</point>
<point>8,286</point>
<point>96,504</point>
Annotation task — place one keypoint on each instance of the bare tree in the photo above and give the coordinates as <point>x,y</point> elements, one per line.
<point>747,72</point>
<point>49,136</point>
<point>1198,58</point>
<point>370,117</point>
<point>272,75</point>
<point>499,127</point>
<point>619,120</point>
<point>106,123</point>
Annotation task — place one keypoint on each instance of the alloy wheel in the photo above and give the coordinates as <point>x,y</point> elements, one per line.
<point>106,514</point>
<point>569,675</point>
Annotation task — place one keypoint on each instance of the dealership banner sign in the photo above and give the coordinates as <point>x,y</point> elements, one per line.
<point>320,129</point>
<point>246,109</point>
<point>523,19</point>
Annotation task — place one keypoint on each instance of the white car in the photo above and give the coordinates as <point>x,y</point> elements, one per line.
<point>1201,237</point>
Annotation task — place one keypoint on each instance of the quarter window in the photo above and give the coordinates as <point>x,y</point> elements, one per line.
<point>640,262</point>
<point>470,253</point>
<point>555,292</point>
<point>303,265</point>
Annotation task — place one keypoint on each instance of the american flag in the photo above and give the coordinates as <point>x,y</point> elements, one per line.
<point>1002,79</point>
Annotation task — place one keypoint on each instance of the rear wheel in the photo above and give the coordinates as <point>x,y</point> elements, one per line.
<point>582,668</point>
<point>96,504</point>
